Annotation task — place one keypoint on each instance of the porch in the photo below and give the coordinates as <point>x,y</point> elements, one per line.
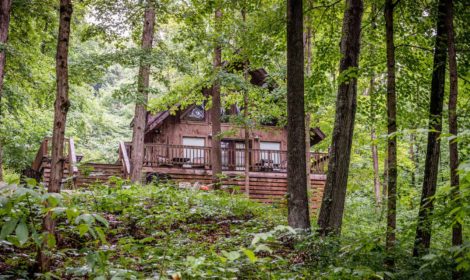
<point>199,158</point>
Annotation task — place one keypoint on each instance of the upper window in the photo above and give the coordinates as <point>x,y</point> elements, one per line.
<point>197,113</point>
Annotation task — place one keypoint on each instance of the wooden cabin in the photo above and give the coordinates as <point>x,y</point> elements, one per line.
<point>178,147</point>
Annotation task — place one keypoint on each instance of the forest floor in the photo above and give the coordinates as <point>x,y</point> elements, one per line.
<point>163,232</point>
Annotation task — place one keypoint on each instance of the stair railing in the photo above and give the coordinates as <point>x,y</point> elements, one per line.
<point>41,154</point>
<point>124,158</point>
<point>72,159</point>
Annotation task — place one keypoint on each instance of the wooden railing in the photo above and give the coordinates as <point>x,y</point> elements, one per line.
<point>162,155</point>
<point>41,155</point>
<point>44,154</point>
<point>125,159</point>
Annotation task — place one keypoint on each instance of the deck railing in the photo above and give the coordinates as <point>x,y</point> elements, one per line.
<point>162,155</point>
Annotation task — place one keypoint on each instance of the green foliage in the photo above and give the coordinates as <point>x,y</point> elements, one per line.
<point>136,232</point>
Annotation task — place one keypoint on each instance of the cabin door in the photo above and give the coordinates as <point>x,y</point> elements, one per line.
<point>233,154</point>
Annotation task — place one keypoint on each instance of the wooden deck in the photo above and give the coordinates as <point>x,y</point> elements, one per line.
<point>189,166</point>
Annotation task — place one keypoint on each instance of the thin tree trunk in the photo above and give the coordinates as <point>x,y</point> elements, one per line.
<point>457,238</point>
<point>392,138</point>
<point>216,106</point>
<point>140,115</point>
<point>423,230</point>
<point>308,70</point>
<point>5,7</point>
<point>373,136</point>
<point>61,108</point>
<point>413,159</point>
<point>308,164</point>
<point>385,179</point>
<point>373,144</point>
<point>246,116</point>
<point>375,163</point>
<point>331,212</point>
<point>297,200</point>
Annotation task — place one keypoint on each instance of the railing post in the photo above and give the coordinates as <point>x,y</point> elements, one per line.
<point>73,169</point>
<point>124,159</point>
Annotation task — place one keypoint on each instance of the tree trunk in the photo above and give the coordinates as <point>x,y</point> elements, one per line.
<point>373,145</point>
<point>246,116</point>
<point>308,70</point>
<point>423,230</point>
<point>5,7</point>
<point>216,107</point>
<point>457,238</point>
<point>297,198</point>
<point>331,212</point>
<point>140,116</point>
<point>392,138</point>
<point>61,108</point>
<point>413,159</point>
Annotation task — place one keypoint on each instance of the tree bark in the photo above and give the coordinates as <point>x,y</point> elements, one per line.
<point>373,136</point>
<point>423,230</point>
<point>297,197</point>
<point>216,107</point>
<point>413,159</point>
<point>61,108</point>
<point>140,115</point>
<point>391,139</point>
<point>373,145</point>
<point>331,212</point>
<point>457,238</point>
<point>308,70</point>
<point>5,7</point>
<point>246,115</point>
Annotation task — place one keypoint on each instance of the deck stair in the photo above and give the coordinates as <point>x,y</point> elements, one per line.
<point>76,174</point>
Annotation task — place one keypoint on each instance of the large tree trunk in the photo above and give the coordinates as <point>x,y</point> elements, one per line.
<point>5,7</point>
<point>61,108</point>
<point>331,212</point>
<point>392,139</point>
<point>215,110</point>
<point>423,230</point>
<point>140,116</point>
<point>297,198</point>
<point>457,238</point>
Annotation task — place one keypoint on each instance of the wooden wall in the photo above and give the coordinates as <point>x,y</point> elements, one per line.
<point>264,187</point>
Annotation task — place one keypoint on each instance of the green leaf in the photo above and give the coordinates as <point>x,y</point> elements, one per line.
<point>232,255</point>
<point>263,248</point>
<point>22,232</point>
<point>87,218</point>
<point>101,235</point>
<point>71,213</point>
<point>101,220</point>
<point>82,229</point>
<point>251,255</point>
<point>8,228</point>
<point>51,242</point>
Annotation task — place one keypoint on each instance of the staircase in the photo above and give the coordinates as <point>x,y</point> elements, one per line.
<point>96,172</point>
<point>75,174</point>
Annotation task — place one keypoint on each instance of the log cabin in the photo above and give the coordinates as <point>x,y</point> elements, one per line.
<point>178,147</point>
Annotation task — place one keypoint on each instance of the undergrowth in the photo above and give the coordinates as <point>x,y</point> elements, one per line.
<point>164,232</point>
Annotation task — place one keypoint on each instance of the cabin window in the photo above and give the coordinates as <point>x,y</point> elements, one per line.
<point>270,152</point>
<point>197,113</point>
<point>194,149</point>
